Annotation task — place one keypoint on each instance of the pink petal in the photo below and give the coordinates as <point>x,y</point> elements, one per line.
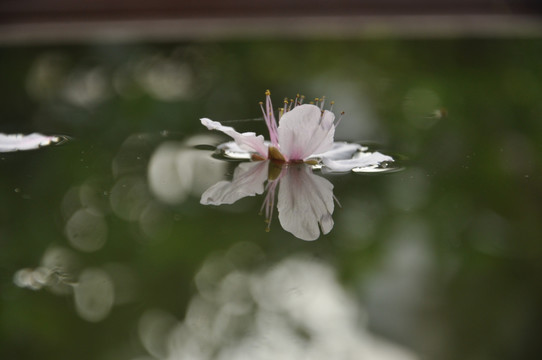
<point>305,203</point>
<point>247,141</point>
<point>305,130</point>
<point>248,180</point>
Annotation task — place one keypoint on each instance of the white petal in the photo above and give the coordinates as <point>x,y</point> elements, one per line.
<point>305,203</point>
<point>16,142</point>
<point>231,150</point>
<point>246,141</point>
<point>340,150</point>
<point>304,131</point>
<point>248,180</point>
<point>365,159</point>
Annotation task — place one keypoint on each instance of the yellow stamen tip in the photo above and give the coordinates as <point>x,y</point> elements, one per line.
<point>267,229</point>
<point>267,92</point>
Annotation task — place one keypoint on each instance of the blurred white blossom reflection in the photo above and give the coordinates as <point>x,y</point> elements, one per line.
<point>57,272</point>
<point>295,309</point>
<point>177,170</point>
<point>95,289</point>
<point>94,294</point>
<point>86,231</point>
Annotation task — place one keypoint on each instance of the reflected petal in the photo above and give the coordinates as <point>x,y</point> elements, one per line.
<point>247,141</point>
<point>305,203</point>
<point>363,160</point>
<point>248,180</point>
<point>306,130</point>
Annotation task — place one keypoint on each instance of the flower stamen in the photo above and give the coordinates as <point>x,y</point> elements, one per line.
<point>270,119</point>
<point>269,203</point>
<point>285,108</point>
<point>339,119</point>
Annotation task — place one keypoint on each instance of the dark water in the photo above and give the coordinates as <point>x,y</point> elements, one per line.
<point>106,252</point>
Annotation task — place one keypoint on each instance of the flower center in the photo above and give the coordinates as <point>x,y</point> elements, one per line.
<point>275,155</point>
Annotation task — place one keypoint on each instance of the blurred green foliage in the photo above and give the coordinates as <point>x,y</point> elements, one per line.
<point>465,112</point>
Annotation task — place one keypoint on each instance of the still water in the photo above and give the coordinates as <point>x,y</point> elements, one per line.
<point>109,251</point>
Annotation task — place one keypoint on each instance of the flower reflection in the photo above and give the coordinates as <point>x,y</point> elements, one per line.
<point>304,201</point>
<point>302,140</point>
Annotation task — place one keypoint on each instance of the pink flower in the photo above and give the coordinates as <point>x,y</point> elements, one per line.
<point>304,133</point>
<point>304,136</point>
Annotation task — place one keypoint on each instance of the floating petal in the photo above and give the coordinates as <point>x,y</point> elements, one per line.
<point>340,151</point>
<point>247,141</point>
<point>18,142</point>
<point>363,160</point>
<point>305,130</point>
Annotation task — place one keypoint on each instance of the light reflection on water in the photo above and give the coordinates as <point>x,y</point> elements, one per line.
<point>86,231</point>
<point>95,290</point>
<point>94,294</point>
<point>247,306</point>
<point>177,170</point>
<point>294,309</point>
<point>148,176</point>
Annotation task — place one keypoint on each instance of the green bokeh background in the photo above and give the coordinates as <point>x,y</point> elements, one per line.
<point>471,184</point>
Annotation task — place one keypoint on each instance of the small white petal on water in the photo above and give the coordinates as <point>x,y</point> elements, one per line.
<point>20,142</point>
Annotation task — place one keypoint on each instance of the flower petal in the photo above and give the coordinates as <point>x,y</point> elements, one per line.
<point>246,141</point>
<point>16,142</point>
<point>365,159</point>
<point>305,203</point>
<point>248,180</point>
<point>340,150</point>
<point>305,130</point>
